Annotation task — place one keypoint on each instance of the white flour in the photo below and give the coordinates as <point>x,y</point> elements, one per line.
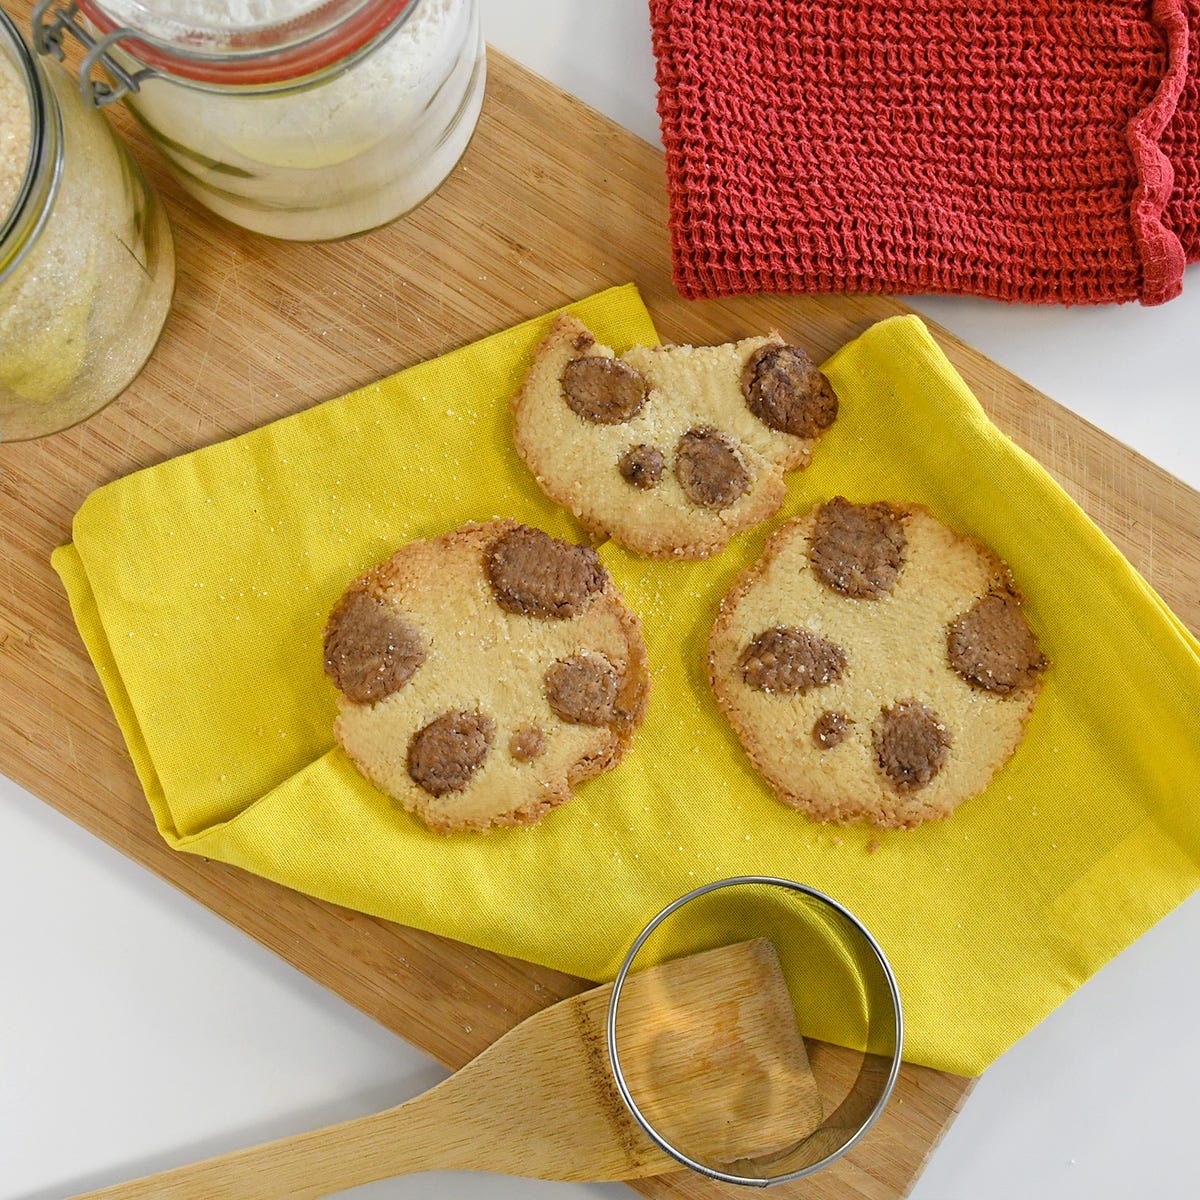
<point>173,15</point>
<point>345,154</point>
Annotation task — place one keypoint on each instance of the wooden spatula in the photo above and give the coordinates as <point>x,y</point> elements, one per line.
<point>541,1102</point>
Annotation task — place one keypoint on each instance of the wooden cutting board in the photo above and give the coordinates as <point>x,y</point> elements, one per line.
<point>552,202</point>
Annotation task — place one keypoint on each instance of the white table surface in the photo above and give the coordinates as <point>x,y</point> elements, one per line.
<point>139,1031</point>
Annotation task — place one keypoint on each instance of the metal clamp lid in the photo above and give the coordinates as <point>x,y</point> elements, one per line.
<point>52,22</point>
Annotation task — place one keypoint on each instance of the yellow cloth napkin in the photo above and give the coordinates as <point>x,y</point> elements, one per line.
<point>201,587</point>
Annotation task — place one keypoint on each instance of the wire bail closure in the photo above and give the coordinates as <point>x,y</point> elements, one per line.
<point>53,22</point>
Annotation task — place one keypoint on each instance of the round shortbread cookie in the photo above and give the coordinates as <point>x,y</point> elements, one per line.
<point>669,450</point>
<point>875,665</point>
<point>483,674</point>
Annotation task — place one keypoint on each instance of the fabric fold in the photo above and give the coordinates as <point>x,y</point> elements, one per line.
<point>201,588</point>
<point>1162,253</point>
<point>1181,143</point>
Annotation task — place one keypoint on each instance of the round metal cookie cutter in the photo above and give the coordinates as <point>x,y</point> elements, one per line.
<point>867,1097</point>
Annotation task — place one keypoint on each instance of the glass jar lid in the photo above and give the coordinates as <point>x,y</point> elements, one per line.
<point>243,42</point>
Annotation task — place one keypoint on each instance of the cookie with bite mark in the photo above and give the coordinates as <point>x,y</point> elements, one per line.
<point>669,450</point>
<point>875,665</point>
<point>484,674</point>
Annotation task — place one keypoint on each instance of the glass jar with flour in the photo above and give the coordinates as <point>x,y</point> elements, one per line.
<point>301,119</point>
<point>87,265</point>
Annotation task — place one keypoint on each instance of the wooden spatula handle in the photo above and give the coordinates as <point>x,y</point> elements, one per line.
<point>399,1141</point>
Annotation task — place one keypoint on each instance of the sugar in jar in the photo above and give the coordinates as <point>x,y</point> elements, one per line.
<point>301,119</point>
<point>87,264</point>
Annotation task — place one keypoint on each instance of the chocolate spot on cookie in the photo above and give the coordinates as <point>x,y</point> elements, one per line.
<point>911,744</point>
<point>857,550</point>
<point>830,729</point>
<point>370,650</point>
<point>541,576</point>
<point>583,689</point>
<point>791,661</point>
<point>992,647</point>
<point>444,754</point>
<point>785,391</point>
<point>710,468</point>
<point>642,466</point>
<point>527,743</point>
<point>605,391</point>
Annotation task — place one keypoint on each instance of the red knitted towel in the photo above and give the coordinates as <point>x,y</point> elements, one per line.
<point>1036,150</point>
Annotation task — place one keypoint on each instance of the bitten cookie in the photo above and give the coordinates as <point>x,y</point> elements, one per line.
<point>875,665</point>
<point>669,450</point>
<point>485,673</point>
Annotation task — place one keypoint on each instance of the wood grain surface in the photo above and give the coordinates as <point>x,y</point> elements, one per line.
<point>551,203</point>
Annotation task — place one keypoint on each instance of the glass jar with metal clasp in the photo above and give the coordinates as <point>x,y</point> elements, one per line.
<point>302,119</point>
<point>87,265</point>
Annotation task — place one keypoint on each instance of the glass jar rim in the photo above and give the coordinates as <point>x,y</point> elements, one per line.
<point>30,209</point>
<point>310,43</point>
